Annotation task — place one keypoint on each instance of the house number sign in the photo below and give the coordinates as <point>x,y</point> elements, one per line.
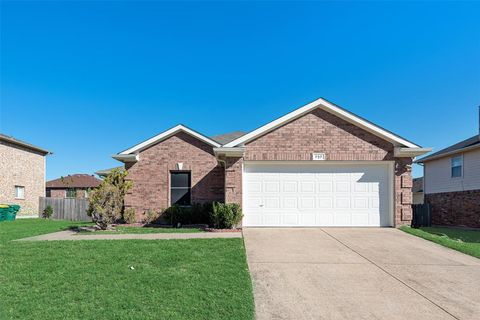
<point>318,156</point>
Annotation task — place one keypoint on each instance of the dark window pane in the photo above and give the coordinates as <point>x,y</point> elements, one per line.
<point>180,197</point>
<point>456,172</point>
<point>180,179</point>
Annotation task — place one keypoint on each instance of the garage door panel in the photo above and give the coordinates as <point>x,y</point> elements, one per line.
<point>284,194</point>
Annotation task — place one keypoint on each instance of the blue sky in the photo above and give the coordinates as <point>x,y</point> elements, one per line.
<point>89,79</point>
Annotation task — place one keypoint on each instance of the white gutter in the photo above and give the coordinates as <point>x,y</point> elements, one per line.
<point>400,152</point>
<point>126,157</point>
<point>229,151</point>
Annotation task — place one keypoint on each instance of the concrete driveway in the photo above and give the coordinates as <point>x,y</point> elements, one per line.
<point>359,273</point>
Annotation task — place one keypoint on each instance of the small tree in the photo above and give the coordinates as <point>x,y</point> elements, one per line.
<point>106,201</point>
<point>48,212</point>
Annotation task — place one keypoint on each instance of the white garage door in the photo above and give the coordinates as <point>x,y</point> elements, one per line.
<point>313,194</point>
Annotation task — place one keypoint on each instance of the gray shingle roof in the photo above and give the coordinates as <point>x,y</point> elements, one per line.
<point>475,140</point>
<point>227,137</point>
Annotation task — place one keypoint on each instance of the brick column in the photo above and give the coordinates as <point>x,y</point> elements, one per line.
<point>403,191</point>
<point>233,180</point>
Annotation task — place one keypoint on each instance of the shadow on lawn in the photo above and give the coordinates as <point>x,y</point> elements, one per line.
<point>463,235</point>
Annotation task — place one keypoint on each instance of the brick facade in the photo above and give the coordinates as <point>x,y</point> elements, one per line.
<point>460,208</point>
<point>62,193</point>
<point>221,179</point>
<point>151,174</point>
<point>320,131</point>
<point>21,166</point>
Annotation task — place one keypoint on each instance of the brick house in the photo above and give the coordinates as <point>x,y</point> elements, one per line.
<point>452,184</point>
<point>22,174</point>
<point>319,165</point>
<point>71,186</point>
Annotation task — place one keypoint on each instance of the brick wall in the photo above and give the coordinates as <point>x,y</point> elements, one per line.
<point>61,193</point>
<point>460,208</point>
<point>320,131</point>
<point>151,174</point>
<point>21,166</point>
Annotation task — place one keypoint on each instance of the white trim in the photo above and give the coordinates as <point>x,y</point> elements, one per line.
<point>329,107</point>
<point>410,152</point>
<point>229,152</point>
<point>126,157</point>
<point>166,134</point>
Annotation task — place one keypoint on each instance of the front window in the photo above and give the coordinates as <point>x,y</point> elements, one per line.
<point>19,192</point>
<point>180,185</point>
<point>71,193</point>
<point>457,164</point>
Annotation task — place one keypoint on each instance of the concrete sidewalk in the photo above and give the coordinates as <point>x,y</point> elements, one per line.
<point>359,273</point>
<point>74,236</point>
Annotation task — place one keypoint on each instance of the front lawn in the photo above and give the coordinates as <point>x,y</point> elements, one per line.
<point>136,230</point>
<point>121,279</point>
<point>466,241</point>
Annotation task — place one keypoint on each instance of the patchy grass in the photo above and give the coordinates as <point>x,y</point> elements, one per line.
<point>136,230</point>
<point>466,241</point>
<point>174,279</point>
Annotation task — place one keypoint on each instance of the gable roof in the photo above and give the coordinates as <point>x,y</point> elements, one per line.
<point>467,144</point>
<point>24,144</point>
<point>227,137</point>
<point>74,181</point>
<point>329,107</point>
<point>166,134</point>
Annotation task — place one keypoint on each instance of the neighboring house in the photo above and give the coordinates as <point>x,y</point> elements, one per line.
<point>417,190</point>
<point>22,174</point>
<point>103,173</point>
<point>452,184</point>
<point>72,186</point>
<point>319,165</point>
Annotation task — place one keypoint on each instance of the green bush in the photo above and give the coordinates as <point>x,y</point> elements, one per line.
<point>225,215</point>
<point>129,215</point>
<point>48,212</point>
<point>150,216</point>
<point>196,214</point>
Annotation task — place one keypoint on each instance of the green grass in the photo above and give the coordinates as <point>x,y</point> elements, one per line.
<point>466,241</point>
<point>174,279</point>
<point>136,230</point>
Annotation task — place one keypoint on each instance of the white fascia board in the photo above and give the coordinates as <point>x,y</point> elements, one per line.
<point>167,134</point>
<point>126,157</point>
<point>329,107</point>
<point>410,152</point>
<point>229,152</point>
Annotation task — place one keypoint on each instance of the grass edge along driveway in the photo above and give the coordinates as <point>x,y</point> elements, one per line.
<point>465,241</point>
<point>173,279</point>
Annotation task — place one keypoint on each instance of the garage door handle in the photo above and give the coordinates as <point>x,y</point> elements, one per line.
<point>261,205</point>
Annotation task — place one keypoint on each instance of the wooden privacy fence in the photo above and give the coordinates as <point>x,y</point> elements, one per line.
<point>66,209</point>
<point>421,215</point>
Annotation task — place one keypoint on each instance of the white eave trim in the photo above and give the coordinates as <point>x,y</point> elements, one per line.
<point>170,132</point>
<point>126,157</point>
<point>229,152</point>
<point>446,154</point>
<point>329,107</point>
<point>400,152</point>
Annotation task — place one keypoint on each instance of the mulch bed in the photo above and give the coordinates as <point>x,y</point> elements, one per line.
<point>151,225</point>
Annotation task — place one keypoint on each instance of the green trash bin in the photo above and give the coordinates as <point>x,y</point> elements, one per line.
<point>10,213</point>
<point>3,211</point>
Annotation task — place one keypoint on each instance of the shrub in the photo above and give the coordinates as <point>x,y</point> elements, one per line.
<point>48,212</point>
<point>150,216</point>
<point>196,214</point>
<point>225,215</point>
<point>129,215</point>
<point>106,201</point>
